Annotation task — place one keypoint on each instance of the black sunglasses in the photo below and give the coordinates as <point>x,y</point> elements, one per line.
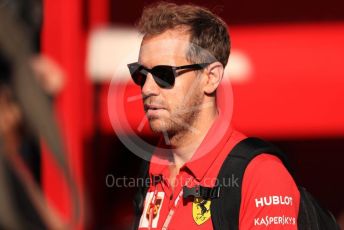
<point>164,75</point>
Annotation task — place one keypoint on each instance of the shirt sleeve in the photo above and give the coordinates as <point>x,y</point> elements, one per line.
<point>270,197</point>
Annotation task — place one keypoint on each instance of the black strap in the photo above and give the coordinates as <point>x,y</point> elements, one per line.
<point>205,193</point>
<point>225,210</point>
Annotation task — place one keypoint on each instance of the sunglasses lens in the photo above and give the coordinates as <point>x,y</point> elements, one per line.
<point>137,73</point>
<point>139,78</point>
<point>163,76</point>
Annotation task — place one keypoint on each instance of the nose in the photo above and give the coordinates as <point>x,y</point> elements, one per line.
<point>150,88</point>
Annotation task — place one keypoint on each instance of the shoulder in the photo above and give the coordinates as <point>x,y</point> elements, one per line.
<point>268,170</point>
<point>268,192</point>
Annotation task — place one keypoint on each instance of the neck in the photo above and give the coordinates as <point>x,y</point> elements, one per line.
<point>184,144</point>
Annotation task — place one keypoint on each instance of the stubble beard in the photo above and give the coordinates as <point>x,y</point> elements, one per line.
<point>179,121</point>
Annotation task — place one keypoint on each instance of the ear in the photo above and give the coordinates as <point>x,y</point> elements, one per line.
<point>214,74</point>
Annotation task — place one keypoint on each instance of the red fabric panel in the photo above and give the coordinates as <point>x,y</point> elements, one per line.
<point>63,39</point>
<point>99,12</point>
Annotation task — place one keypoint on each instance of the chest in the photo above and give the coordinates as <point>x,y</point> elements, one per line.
<point>165,208</point>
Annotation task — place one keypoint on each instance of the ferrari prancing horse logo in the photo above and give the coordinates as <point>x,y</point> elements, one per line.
<point>201,210</point>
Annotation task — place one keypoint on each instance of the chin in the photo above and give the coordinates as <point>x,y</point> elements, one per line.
<point>157,126</point>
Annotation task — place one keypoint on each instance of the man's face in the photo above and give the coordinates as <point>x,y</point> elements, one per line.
<point>175,109</point>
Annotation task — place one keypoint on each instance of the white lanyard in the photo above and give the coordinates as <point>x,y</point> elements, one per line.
<point>172,210</point>
<point>170,213</point>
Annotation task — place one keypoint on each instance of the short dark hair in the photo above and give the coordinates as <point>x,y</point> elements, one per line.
<point>207,31</point>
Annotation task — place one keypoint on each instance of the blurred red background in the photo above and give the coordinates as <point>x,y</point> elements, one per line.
<point>290,91</point>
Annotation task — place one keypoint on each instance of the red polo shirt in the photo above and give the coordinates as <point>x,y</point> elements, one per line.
<point>270,198</point>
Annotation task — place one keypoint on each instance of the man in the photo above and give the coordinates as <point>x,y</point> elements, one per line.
<point>183,54</point>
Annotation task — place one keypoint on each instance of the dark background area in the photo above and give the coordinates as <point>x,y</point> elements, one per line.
<point>245,12</point>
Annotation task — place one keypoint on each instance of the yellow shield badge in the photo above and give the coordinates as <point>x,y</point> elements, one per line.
<point>201,210</point>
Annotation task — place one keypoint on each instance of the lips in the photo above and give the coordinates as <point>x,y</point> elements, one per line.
<point>152,107</point>
<point>153,110</point>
